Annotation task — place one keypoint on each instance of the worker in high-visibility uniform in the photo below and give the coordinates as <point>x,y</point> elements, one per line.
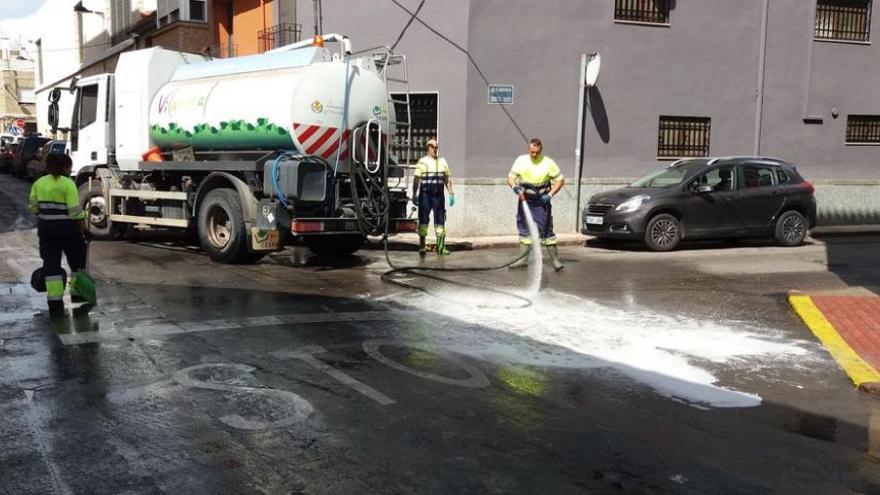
<point>535,179</point>
<point>61,228</point>
<point>431,177</point>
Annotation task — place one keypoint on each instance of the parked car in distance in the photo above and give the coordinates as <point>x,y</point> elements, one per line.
<point>26,152</point>
<point>36,168</point>
<point>7,157</point>
<point>733,197</point>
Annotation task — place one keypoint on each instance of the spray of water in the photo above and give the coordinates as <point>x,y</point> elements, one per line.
<point>536,258</point>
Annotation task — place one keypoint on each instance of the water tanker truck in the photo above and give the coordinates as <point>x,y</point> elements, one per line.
<point>249,153</point>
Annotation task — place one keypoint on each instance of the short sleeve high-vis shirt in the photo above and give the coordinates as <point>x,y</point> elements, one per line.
<point>432,173</point>
<point>55,200</point>
<point>535,173</point>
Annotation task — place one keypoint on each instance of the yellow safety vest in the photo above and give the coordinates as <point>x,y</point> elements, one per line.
<point>535,173</point>
<point>55,201</point>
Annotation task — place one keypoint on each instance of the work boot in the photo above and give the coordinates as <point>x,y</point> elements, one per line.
<point>441,244</point>
<point>554,257</point>
<point>422,248</point>
<point>56,309</point>
<point>523,257</point>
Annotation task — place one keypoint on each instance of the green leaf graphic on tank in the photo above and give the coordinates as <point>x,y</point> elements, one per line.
<point>233,134</point>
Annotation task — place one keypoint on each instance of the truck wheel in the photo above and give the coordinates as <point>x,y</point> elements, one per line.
<point>222,232</point>
<point>97,214</point>
<point>663,233</point>
<point>791,228</point>
<point>334,245</point>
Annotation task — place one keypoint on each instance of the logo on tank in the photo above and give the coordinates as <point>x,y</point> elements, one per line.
<point>317,106</point>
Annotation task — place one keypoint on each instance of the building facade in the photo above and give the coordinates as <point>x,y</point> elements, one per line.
<point>79,38</point>
<point>18,114</point>
<point>795,79</point>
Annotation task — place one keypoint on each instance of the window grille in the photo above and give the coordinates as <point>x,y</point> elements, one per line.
<point>423,111</point>
<point>683,137</point>
<point>863,129</point>
<point>652,11</point>
<point>845,20</point>
<point>278,35</point>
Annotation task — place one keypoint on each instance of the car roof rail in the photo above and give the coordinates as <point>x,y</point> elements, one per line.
<point>746,157</point>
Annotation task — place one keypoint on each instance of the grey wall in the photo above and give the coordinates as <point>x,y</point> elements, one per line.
<point>433,65</point>
<point>705,63</point>
<point>842,75</point>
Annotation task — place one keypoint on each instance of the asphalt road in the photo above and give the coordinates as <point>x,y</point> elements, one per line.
<point>629,372</point>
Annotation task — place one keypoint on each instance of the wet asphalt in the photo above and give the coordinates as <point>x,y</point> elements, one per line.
<point>302,375</point>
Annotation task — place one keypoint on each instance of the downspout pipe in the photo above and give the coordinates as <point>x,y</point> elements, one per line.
<point>762,64</point>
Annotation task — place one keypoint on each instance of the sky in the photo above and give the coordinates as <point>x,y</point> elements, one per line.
<point>16,15</point>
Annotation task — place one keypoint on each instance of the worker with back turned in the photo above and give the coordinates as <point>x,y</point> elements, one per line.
<point>61,227</point>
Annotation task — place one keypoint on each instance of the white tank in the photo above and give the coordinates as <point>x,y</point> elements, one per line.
<point>286,100</point>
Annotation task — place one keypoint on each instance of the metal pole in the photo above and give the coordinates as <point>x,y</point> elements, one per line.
<point>762,62</point>
<point>579,146</point>
<point>319,21</point>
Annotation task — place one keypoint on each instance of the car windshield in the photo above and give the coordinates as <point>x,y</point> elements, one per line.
<point>665,177</point>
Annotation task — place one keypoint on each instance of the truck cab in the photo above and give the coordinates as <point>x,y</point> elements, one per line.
<point>92,126</point>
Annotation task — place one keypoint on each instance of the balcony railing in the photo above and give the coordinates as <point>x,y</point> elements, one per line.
<point>278,36</point>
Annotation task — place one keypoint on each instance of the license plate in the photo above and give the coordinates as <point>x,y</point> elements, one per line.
<point>265,240</point>
<point>593,220</point>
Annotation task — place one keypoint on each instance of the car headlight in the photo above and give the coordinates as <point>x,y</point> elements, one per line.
<point>632,204</point>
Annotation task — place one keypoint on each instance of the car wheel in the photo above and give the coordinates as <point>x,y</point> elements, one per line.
<point>663,233</point>
<point>221,227</point>
<point>97,215</point>
<point>791,228</point>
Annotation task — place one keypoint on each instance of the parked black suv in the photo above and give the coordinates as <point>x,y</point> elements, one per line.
<point>707,198</point>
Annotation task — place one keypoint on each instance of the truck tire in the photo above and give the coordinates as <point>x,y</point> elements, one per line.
<point>222,232</point>
<point>791,229</point>
<point>663,232</point>
<point>97,216</point>
<point>334,245</point>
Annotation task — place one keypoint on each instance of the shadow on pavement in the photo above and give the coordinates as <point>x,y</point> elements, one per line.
<point>854,259</point>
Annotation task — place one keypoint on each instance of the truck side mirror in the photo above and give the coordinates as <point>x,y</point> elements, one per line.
<point>702,189</point>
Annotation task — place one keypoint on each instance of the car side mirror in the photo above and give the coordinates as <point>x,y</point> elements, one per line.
<point>703,189</point>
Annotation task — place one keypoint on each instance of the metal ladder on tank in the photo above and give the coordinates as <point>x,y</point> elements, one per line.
<point>399,79</point>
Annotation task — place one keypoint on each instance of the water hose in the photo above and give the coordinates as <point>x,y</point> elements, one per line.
<point>415,270</point>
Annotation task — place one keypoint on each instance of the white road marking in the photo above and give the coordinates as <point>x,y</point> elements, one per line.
<point>300,408</point>
<point>307,355</point>
<point>476,378</point>
<point>160,330</point>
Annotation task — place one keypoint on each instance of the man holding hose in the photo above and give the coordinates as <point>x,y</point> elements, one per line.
<point>535,179</point>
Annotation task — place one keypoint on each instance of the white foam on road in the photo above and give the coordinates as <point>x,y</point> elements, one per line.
<point>672,355</point>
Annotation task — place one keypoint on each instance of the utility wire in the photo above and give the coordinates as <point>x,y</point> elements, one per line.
<point>411,19</point>
<point>467,53</point>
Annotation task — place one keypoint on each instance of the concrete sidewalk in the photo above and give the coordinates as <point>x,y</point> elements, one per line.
<point>410,241</point>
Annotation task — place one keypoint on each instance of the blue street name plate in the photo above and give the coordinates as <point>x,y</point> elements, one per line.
<point>500,94</point>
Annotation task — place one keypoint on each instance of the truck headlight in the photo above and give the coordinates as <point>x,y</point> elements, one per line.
<point>632,204</point>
